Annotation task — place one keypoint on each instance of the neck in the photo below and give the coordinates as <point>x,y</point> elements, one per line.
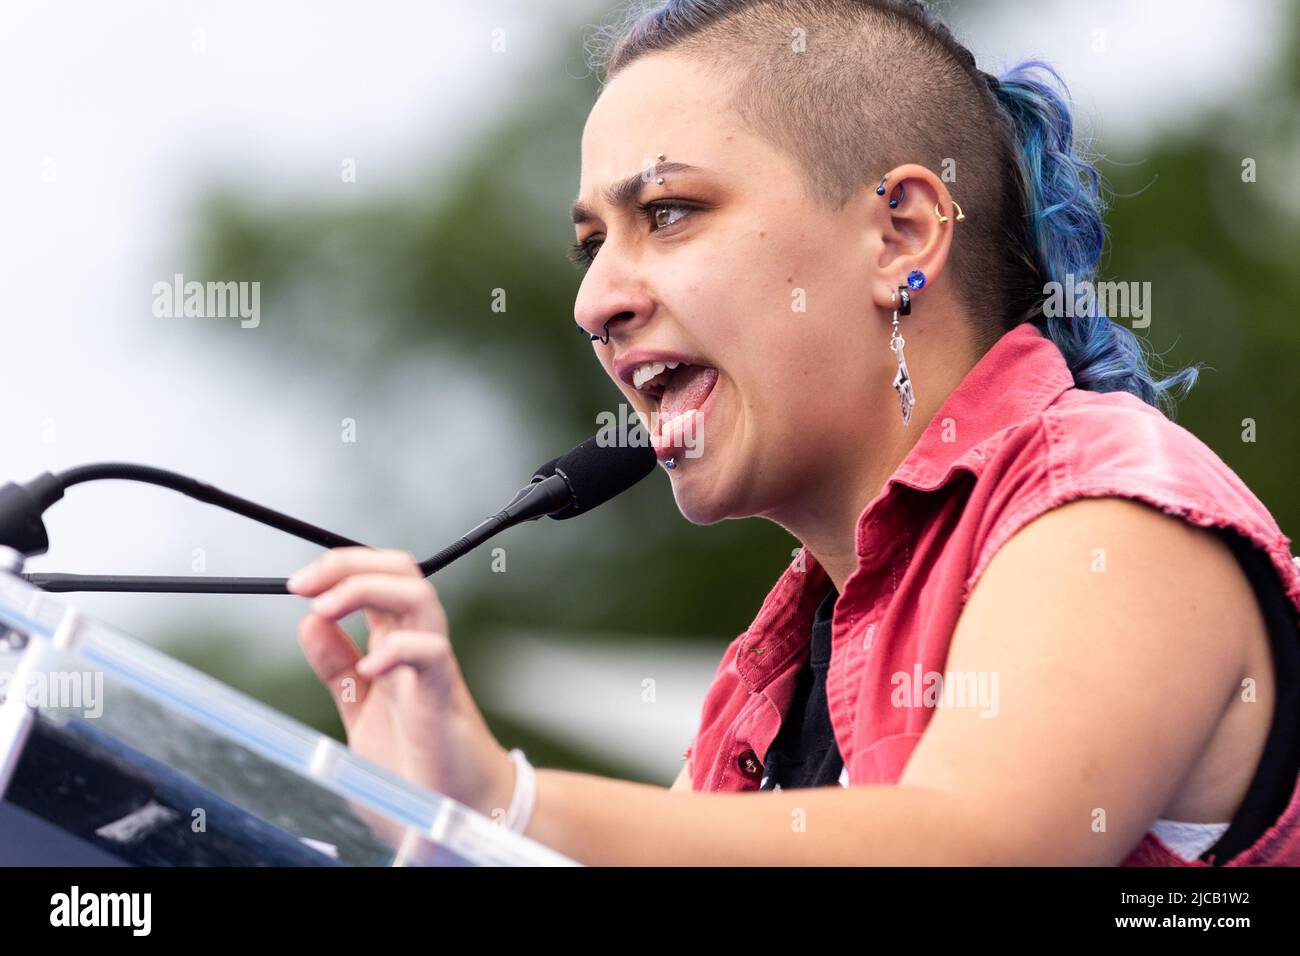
<point>827,520</point>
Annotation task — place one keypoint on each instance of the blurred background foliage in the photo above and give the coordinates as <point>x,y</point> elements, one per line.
<point>416,271</point>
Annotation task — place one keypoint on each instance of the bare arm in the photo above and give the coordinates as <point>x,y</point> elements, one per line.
<point>1110,684</point>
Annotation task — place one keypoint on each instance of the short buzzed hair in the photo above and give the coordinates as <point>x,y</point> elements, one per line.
<point>849,89</point>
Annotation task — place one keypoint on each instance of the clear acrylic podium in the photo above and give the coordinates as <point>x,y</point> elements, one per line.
<point>112,753</point>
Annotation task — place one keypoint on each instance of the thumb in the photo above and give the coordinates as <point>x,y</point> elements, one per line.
<point>333,655</point>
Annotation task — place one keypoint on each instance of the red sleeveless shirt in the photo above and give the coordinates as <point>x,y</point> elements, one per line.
<point>1013,440</point>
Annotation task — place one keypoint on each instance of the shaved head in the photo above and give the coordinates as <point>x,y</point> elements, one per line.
<point>848,90</point>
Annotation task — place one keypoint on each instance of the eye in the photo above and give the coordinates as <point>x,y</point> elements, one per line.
<point>659,213</point>
<point>583,253</point>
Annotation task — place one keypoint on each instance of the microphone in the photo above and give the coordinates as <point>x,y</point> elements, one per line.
<point>572,484</point>
<point>596,472</point>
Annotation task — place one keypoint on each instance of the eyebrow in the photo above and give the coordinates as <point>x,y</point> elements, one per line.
<point>621,193</point>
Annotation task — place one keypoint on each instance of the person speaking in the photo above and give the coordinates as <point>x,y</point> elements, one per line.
<point>1032,621</point>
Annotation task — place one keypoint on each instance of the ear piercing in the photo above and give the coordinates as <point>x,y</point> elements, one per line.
<point>671,463</point>
<point>894,200</point>
<point>961,216</point>
<point>902,300</point>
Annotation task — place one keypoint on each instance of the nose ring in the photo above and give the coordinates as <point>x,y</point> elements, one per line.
<point>595,338</point>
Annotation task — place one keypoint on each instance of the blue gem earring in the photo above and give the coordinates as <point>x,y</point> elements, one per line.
<point>916,279</point>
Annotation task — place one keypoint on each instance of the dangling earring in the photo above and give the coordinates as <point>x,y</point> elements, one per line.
<point>902,300</point>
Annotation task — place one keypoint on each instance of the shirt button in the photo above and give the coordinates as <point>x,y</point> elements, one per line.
<point>748,764</point>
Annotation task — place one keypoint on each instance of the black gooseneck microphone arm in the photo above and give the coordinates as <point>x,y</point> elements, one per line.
<point>21,508</point>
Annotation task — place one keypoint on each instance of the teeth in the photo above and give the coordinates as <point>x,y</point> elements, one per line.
<point>646,372</point>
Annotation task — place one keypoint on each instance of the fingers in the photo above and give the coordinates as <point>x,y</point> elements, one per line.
<point>333,656</point>
<point>413,599</point>
<point>430,655</point>
<point>338,563</point>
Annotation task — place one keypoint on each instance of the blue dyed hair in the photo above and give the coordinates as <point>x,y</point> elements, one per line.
<point>1032,198</point>
<point>1063,207</point>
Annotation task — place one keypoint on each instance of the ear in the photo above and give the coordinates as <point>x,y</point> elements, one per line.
<point>910,237</point>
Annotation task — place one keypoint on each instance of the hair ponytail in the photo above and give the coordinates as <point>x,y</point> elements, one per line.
<point>1063,205</point>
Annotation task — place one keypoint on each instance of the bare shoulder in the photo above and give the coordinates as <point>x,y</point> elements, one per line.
<point>1138,560</point>
<point>1113,631</point>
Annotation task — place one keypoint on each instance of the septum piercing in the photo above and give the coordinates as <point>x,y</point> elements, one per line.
<point>595,338</point>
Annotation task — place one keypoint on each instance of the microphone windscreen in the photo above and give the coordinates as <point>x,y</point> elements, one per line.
<point>599,469</point>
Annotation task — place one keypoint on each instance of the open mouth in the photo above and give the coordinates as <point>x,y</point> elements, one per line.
<point>679,390</point>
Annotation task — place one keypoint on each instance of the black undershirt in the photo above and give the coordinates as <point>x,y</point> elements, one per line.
<point>805,754</point>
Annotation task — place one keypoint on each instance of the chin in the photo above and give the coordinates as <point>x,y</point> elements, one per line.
<point>701,497</point>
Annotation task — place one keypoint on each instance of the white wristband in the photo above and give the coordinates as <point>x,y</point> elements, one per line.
<point>525,796</point>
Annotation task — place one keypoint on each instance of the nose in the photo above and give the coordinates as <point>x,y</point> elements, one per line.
<point>611,309</point>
